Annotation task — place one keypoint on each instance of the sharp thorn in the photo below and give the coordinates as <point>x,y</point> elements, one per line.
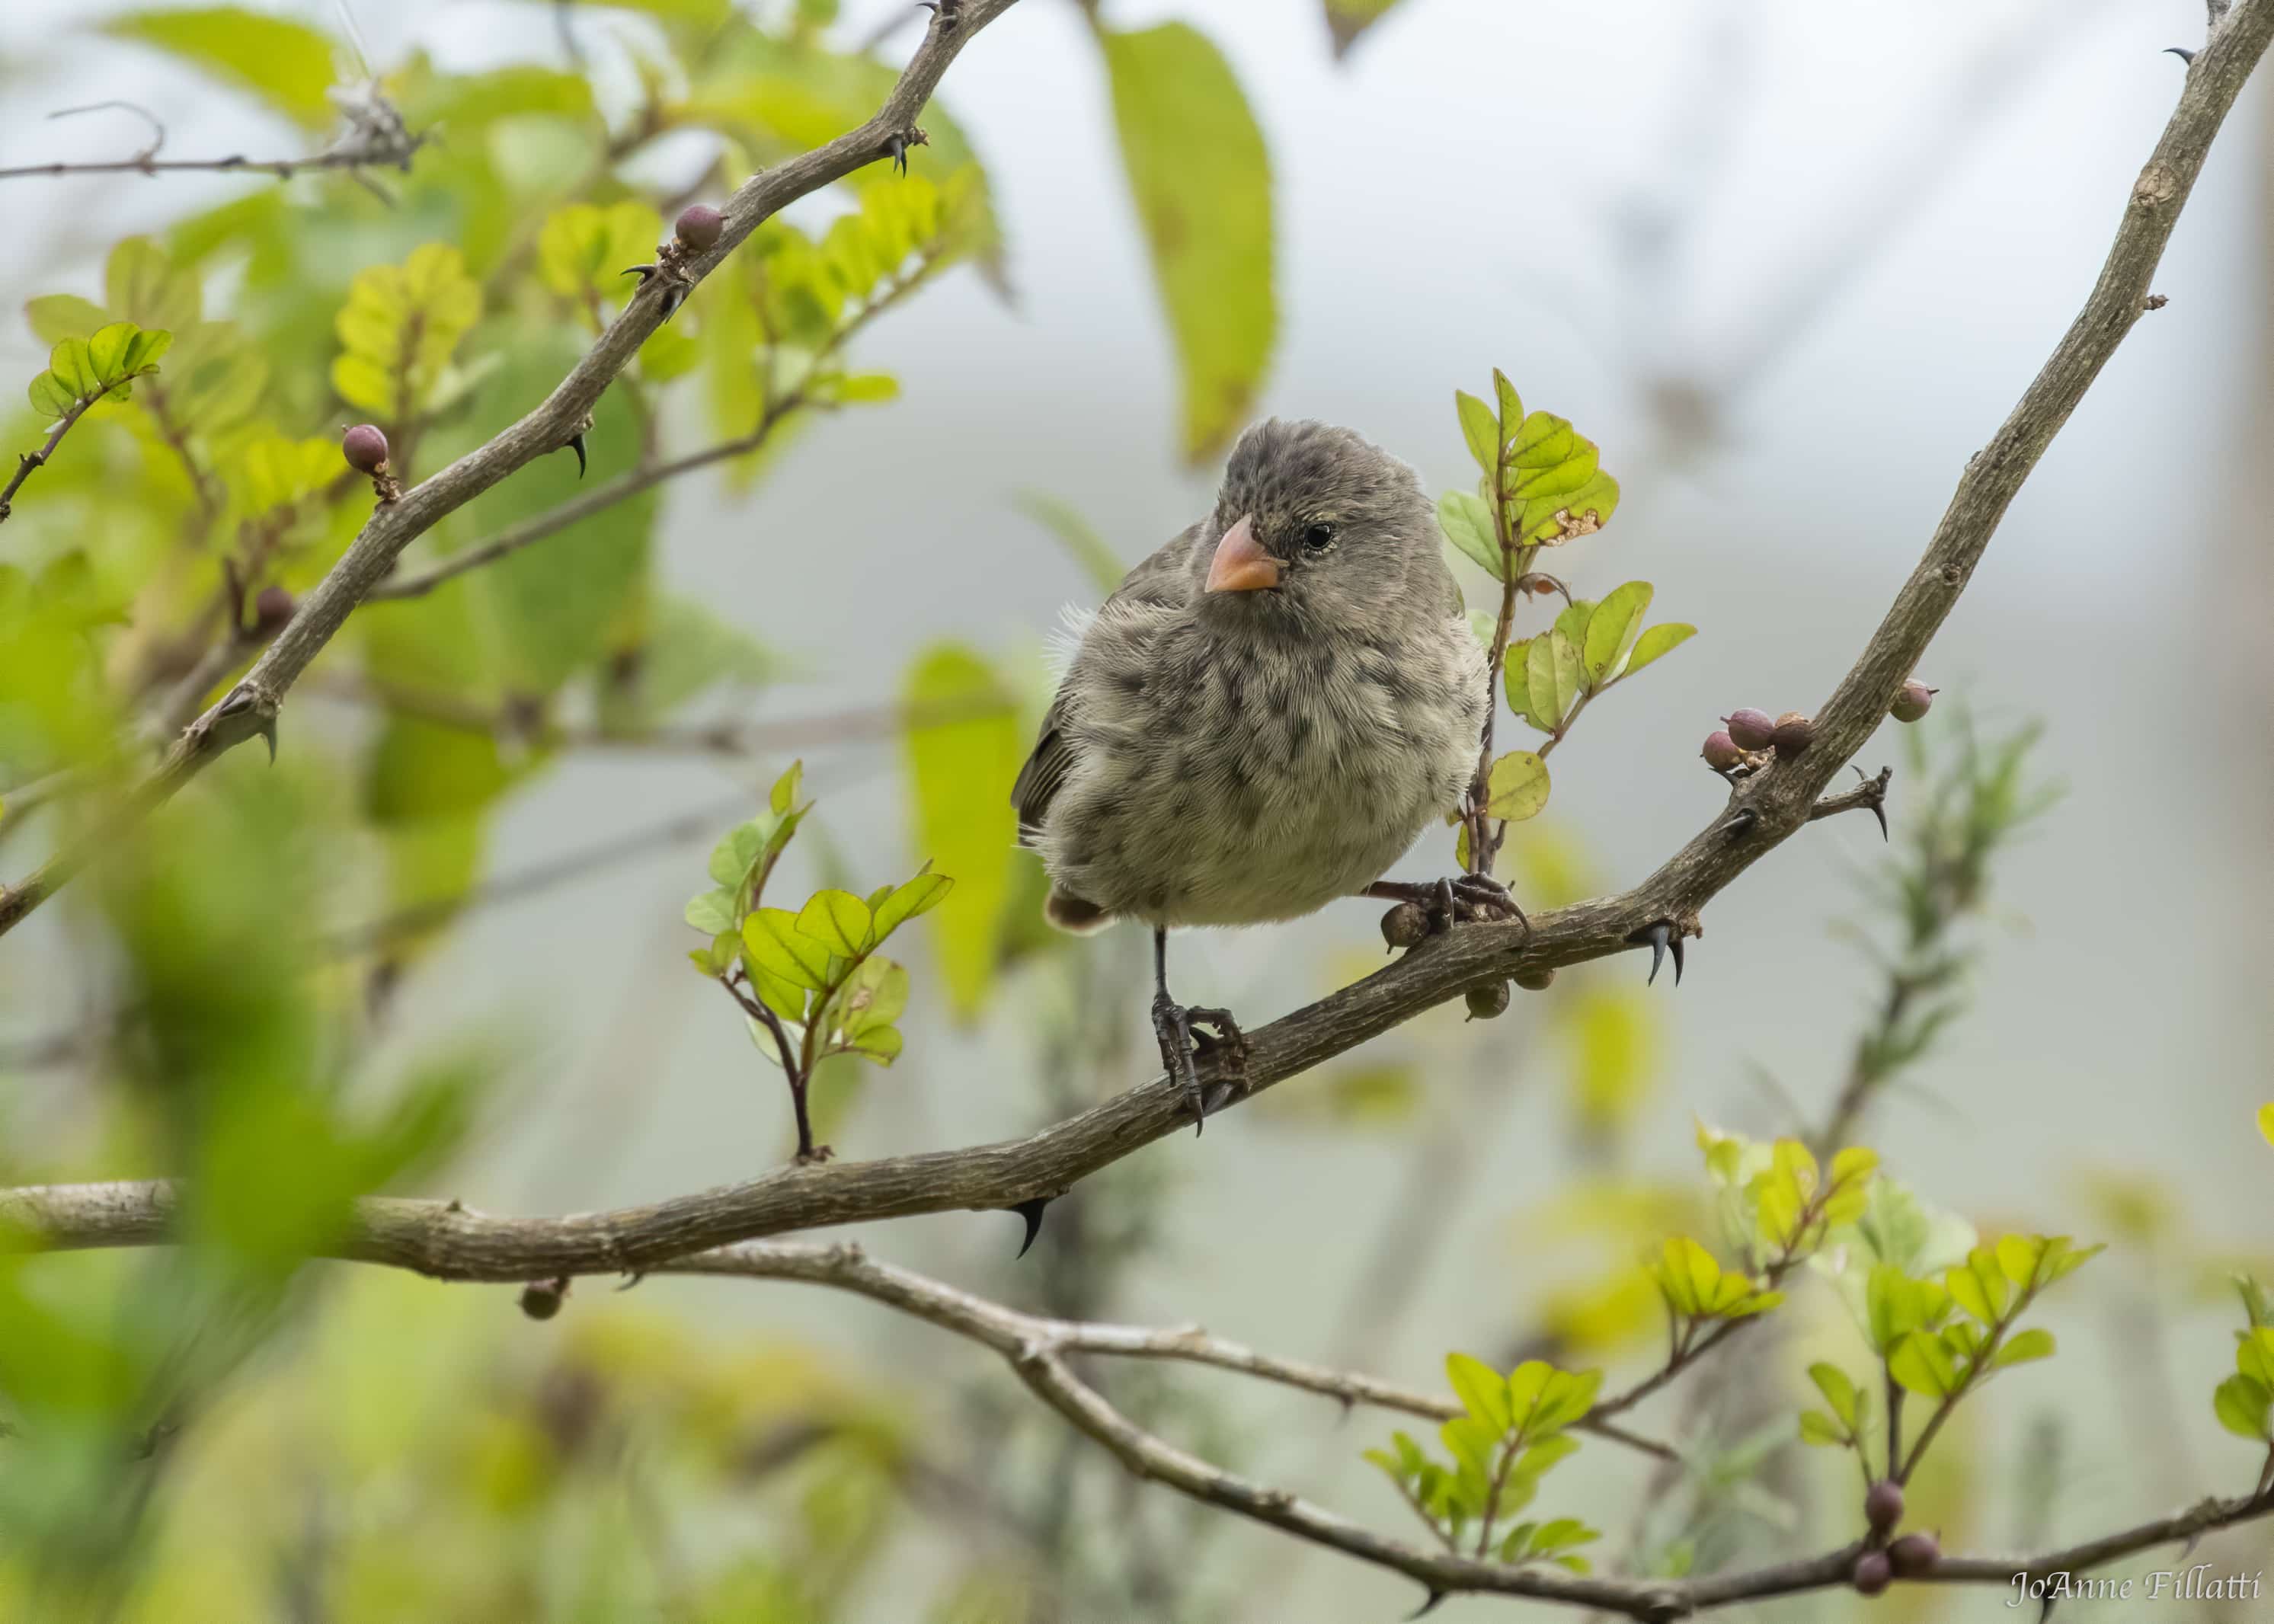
<point>632,1279</point>
<point>674,297</point>
<point>641,271</point>
<point>1674,946</point>
<point>1031,1211</point>
<point>267,731</point>
<point>1428,1605</point>
<point>1881,812</point>
<point>576,445</point>
<point>1657,936</point>
<point>2188,56</point>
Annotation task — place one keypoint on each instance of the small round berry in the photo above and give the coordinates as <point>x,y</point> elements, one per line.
<point>271,610</point>
<point>1722,752</point>
<point>364,448</point>
<point>1883,1505</point>
<point>1488,1002</point>
<point>1750,729</point>
<point>1914,1555</point>
<point>1912,700</point>
<point>698,227</point>
<point>1405,924</point>
<point>1535,980</point>
<point>541,1299</point>
<point>1793,733</point>
<point>1871,1573</point>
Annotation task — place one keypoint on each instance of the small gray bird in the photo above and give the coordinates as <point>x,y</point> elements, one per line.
<point>1263,717</point>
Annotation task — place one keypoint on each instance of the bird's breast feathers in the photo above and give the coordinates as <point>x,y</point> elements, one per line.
<point>1225,781</point>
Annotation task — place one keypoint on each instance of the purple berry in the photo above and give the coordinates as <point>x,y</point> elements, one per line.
<point>1911,701</point>
<point>1722,752</point>
<point>699,226</point>
<point>1750,728</point>
<point>364,448</point>
<point>1915,1554</point>
<point>1871,1573</point>
<point>1883,1505</point>
<point>272,609</point>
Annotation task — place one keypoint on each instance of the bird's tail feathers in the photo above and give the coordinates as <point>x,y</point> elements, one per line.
<point>1074,914</point>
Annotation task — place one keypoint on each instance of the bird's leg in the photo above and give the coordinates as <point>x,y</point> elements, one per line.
<point>1174,1027</point>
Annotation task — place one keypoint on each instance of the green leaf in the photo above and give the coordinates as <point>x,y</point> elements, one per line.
<point>1542,697</point>
<point>783,795</point>
<point>2254,1355</point>
<point>1467,523</point>
<point>737,852</point>
<point>1658,641</point>
<point>1922,1364</point>
<point>1511,404</point>
<point>920,895</point>
<point>583,249</point>
<point>1837,1390</point>
<point>1816,1427</point>
<point>1202,182</point>
<point>1517,786</point>
<point>1482,1390</point>
<point>2245,1408</point>
<point>286,65</point>
<point>1613,626</point>
<point>2023,1347</point>
<point>1979,1285</point>
<point>1346,19</point>
<point>776,945</point>
<point>1078,535</point>
<point>1565,656</point>
<point>1481,429</point>
<point>399,329</point>
<point>712,912</point>
<point>961,771</point>
<point>840,921</point>
<point>55,316</point>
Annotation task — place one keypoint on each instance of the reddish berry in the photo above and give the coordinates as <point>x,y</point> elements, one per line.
<point>1915,1554</point>
<point>699,226</point>
<point>1911,701</point>
<point>364,448</point>
<point>1722,752</point>
<point>1883,1505</point>
<point>1871,1573</point>
<point>271,610</point>
<point>1750,728</point>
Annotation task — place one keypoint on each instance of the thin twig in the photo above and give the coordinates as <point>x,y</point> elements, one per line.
<point>27,461</point>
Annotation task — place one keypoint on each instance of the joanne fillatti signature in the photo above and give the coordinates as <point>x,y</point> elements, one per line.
<point>2199,1582</point>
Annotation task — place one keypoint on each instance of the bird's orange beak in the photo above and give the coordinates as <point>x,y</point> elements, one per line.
<point>1241,564</point>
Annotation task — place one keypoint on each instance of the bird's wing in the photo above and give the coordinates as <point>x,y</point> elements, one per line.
<point>1162,580</point>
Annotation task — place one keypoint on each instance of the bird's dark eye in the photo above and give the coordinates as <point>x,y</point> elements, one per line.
<point>1318,538</point>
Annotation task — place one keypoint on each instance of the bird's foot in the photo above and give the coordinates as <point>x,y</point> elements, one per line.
<point>1465,897</point>
<point>1185,1041</point>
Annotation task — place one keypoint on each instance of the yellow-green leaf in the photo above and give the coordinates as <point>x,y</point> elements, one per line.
<point>2023,1346</point>
<point>1837,1390</point>
<point>1657,641</point>
<point>839,920</point>
<point>286,64</point>
<point>1467,523</point>
<point>1517,786</point>
<point>776,945</point>
<point>961,767</point>
<point>1923,1365</point>
<point>1482,1390</point>
<point>1480,428</point>
<point>2266,1122</point>
<point>1613,625</point>
<point>1346,19</point>
<point>2245,1408</point>
<point>920,895</point>
<point>1201,181</point>
<point>583,249</point>
<point>399,329</point>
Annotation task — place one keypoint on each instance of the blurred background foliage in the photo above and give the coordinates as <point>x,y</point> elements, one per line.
<point>223,1432</point>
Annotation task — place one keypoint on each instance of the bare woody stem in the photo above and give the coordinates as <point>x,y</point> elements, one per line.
<point>250,707</point>
<point>283,168</point>
<point>30,461</point>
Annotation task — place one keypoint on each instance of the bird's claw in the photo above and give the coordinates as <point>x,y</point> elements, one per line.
<point>1184,1044</point>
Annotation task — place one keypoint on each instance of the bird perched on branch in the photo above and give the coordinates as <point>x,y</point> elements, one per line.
<point>1263,717</point>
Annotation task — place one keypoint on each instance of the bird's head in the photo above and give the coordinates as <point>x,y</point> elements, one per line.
<point>1315,526</point>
